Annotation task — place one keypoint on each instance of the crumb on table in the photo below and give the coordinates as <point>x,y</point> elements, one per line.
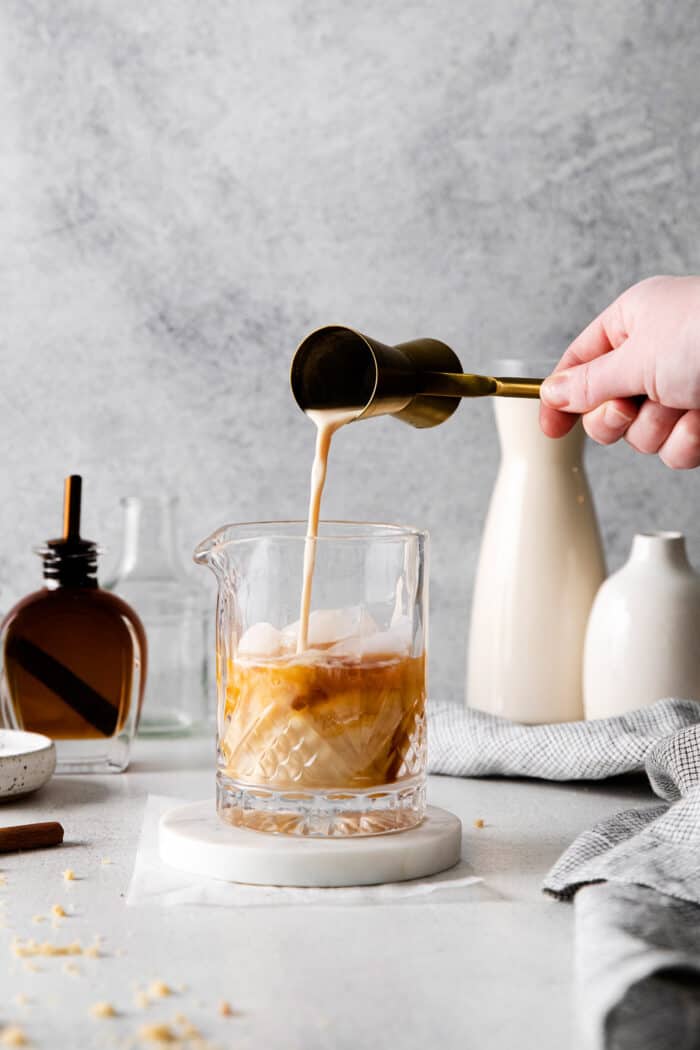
<point>13,1035</point>
<point>69,875</point>
<point>225,1009</point>
<point>28,949</point>
<point>58,911</point>
<point>479,823</point>
<point>92,951</point>
<point>105,860</point>
<point>157,1033</point>
<point>102,1010</point>
<point>141,999</point>
<point>159,990</point>
<point>189,1030</point>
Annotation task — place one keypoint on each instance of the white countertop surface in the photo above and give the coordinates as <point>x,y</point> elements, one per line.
<point>487,974</point>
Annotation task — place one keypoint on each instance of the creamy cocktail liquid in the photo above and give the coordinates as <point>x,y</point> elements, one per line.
<point>332,702</point>
<point>326,421</point>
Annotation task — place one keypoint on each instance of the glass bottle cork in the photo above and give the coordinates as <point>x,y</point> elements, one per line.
<point>74,656</point>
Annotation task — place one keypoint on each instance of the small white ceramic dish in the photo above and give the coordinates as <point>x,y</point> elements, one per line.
<point>27,761</point>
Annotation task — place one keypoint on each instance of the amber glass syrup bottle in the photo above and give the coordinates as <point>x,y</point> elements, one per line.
<point>74,657</point>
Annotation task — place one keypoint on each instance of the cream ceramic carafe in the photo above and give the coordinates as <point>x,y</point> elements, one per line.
<point>540,566</point>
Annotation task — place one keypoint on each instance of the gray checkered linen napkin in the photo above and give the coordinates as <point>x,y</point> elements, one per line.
<point>466,743</point>
<point>635,877</point>
<point>638,912</point>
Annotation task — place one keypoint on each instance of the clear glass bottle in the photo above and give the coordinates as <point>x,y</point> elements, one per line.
<point>172,606</point>
<point>74,657</point>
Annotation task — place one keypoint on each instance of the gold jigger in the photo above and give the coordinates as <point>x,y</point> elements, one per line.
<point>420,382</point>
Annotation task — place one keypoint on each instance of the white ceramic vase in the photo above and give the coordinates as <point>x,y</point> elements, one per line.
<point>643,636</point>
<point>540,566</point>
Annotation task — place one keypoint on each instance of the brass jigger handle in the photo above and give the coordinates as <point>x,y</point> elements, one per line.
<point>452,384</point>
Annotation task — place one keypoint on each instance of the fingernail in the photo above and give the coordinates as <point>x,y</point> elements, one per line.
<point>555,390</point>
<point>614,417</point>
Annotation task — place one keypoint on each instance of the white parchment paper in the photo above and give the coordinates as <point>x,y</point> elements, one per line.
<point>153,882</point>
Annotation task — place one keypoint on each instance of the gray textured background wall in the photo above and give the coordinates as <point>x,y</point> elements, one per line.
<point>187,188</point>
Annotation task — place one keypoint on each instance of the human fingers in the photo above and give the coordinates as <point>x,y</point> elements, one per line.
<point>681,450</point>
<point>606,332</point>
<point>581,388</point>
<point>556,424</point>
<point>652,427</point>
<point>608,423</point>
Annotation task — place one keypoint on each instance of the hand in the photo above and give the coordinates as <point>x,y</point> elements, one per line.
<point>635,373</point>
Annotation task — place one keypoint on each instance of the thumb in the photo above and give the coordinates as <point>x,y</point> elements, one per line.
<point>584,387</point>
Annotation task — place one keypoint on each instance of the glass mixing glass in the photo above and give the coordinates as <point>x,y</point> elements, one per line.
<point>329,741</point>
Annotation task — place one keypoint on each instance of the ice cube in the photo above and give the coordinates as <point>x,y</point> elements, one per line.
<point>391,643</point>
<point>290,633</point>
<point>261,639</point>
<point>366,624</point>
<point>394,642</point>
<point>402,630</point>
<point>327,626</point>
<point>349,648</point>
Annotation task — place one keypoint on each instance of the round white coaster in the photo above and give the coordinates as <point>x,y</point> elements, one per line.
<point>194,839</point>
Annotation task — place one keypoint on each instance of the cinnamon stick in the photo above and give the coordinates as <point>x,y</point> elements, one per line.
<point>30,836</point>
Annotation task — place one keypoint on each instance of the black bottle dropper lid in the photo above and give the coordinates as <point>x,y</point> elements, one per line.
<point>71,561</point>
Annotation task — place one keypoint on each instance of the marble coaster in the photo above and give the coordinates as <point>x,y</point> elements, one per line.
<point>192,838</point>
